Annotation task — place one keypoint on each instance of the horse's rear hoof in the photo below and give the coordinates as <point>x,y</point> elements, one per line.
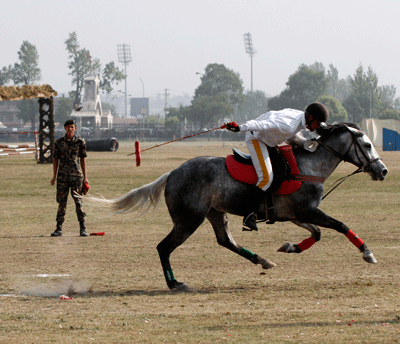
<point>181,287</point>
<point>369,258</point>
<point>287,248</point>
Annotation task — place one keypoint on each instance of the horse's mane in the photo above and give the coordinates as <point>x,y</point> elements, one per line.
<point>332,129</point>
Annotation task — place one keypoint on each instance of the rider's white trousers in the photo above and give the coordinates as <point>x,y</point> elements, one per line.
<point>261,161</point>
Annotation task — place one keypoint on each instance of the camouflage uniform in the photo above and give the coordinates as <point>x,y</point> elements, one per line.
<point>69,175</point>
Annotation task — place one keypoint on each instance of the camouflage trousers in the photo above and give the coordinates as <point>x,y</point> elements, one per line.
<point>63,188</point>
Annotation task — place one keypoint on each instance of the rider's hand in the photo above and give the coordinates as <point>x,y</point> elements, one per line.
<point>232,126</point>
<point>311,145</point>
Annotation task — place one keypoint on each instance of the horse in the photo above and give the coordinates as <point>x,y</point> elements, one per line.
<point>202,188</point>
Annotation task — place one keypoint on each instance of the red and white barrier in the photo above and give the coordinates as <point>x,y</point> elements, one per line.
<point>21,149</point>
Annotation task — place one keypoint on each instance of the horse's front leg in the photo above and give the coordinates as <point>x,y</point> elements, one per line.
<point>319,218</point>
<point>305,244</point>
<point>219,221</point>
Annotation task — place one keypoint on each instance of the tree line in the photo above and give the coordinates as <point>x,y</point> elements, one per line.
<point>220,95</point>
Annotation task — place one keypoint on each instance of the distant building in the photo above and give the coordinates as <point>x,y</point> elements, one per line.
<point>139,107</point>
<point>92,115</point>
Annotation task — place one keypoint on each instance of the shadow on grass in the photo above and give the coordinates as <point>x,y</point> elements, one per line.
<point>166,291</point>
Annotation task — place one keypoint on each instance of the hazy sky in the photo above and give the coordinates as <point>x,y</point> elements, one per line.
<point>172,40</point>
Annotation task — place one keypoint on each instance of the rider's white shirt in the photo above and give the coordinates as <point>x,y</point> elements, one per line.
<point>275,127</point>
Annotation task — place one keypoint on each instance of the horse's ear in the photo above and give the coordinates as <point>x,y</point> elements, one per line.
<point>355,129</point>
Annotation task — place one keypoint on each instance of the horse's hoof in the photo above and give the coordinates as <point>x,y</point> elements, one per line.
<point>181,287</point>
<point>369,258</point>
<point>287,248</point>
<point>267,264</point>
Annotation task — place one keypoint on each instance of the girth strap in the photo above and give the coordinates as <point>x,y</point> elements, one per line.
<point>305,178</point>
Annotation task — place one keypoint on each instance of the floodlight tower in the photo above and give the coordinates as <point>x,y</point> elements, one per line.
<point>248,45</point>
<point>124,56</point>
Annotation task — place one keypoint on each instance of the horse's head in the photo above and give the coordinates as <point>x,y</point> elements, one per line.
<point>350,144</point>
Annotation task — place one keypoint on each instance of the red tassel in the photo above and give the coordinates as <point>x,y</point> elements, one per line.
<point>137,153</point>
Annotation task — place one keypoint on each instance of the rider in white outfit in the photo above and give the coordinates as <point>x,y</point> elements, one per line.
<point>270,130</point>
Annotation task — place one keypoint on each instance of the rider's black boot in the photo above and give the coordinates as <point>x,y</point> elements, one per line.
<point>250,222</point>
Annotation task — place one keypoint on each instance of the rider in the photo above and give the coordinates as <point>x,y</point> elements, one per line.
<point>270,130</point>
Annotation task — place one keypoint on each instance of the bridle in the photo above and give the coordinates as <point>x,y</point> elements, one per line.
<point>362,167</point>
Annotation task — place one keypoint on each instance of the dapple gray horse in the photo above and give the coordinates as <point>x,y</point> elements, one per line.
<point>202,188</point>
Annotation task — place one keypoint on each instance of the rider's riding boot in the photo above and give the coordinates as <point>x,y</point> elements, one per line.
<point>250,222</point>
<point>83,229</point>
<point>58,231</point>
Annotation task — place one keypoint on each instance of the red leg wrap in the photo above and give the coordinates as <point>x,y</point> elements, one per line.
<point>306,244</point>
<point>355,240</point>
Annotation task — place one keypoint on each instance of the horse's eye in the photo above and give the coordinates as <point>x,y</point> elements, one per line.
<point>367,145</point>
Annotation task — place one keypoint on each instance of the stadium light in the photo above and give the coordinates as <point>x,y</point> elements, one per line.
<point>248,45</point>
<point>124,56</point>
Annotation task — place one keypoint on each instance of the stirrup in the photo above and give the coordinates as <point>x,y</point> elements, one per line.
<point>250,222</point>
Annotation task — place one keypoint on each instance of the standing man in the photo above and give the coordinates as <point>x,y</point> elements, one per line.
<point>69,169</point>
<point>270,130</point>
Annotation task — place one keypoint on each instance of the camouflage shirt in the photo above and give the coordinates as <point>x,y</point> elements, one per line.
<point>69,153</point>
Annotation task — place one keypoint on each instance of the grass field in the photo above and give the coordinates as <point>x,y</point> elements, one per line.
<point>327,294</point>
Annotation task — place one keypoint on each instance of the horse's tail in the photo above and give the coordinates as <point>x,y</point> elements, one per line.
<point>140,199</point>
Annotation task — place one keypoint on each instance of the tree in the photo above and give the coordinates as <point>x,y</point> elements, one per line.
<point>172,124</point>
<point>221,90</point>
<point>111,74</point>
<point>63,109</point>
<point>27,72</point>
<point>364,95</point>
<point>80,64</point>
<point>219,79</point>
<point>255,104</point>
<point>207,110</point>
<point>303,88</point>
<point>337,113</point>
<point>5,75</point>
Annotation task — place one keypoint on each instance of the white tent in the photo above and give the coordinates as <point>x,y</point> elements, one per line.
<point>373,128</point>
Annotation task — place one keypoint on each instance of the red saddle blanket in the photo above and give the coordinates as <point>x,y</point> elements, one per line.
<point>247,173</point>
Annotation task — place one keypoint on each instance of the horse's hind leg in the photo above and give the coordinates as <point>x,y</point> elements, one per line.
<point>305,244</point>
<point>181,231</point>
<point>219,221</point>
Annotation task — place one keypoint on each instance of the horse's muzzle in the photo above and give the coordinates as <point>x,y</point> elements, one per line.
<point>377,170</point>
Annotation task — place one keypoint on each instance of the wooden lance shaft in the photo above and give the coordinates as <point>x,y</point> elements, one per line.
<point>138,151</point>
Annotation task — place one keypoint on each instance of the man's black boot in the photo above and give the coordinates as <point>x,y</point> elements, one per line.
<point>250,222</point>
<point>83,229</point>
<point>58,231</point>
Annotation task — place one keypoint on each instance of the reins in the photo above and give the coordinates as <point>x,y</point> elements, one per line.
<point>340,181</point>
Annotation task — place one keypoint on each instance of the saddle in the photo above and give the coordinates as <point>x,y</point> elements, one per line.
<point>287,178</point>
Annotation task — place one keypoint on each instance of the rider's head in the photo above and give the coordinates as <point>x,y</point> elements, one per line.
<point>316,113</point>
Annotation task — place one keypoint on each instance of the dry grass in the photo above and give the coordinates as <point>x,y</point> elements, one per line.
<point>327,294</point>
